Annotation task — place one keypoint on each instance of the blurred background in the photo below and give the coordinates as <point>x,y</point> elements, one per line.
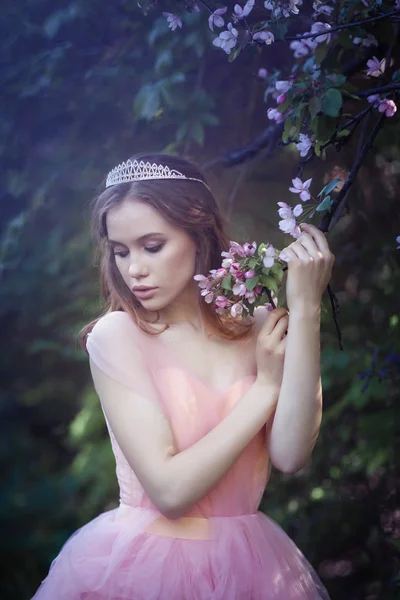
<point>85,84</point>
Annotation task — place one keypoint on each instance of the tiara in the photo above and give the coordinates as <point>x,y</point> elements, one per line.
<point>137,171</point>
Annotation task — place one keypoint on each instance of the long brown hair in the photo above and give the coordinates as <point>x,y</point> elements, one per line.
<point>186,204</point>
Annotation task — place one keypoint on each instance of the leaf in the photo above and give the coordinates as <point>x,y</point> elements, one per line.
<point>210,119</point>
<point>197,132</point>
<point>326,204</point>
<point>147,101</point>
<point>332,102</point>
<point>234,54</point>
<point>396,75</point>
<point>251,283</point>
<point>314,106</point>
<point>226,283</point>
<point>329,186</point>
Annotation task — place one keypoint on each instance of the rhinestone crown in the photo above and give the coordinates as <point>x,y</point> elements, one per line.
<point>137,171</point>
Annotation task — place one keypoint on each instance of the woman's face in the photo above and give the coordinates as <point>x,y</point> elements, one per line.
<point>150,251</point>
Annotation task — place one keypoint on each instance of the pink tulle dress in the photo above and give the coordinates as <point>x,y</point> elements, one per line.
<point>223,548</point>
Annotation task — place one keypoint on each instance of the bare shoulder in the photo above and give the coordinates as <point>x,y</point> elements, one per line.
<point>111,322</point>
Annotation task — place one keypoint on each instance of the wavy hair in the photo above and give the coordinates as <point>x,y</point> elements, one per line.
<point>186,204</point>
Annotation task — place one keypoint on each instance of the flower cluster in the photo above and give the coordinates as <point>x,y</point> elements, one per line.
<point>384,105</point>
<point>249,276</point>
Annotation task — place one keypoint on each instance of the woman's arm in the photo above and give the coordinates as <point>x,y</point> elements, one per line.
<point>175,480</point>
<point>298,415</point>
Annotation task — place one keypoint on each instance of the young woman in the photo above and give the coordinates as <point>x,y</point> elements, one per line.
<point>197,407</point>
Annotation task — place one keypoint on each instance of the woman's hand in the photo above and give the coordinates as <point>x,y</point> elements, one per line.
<point>270,348</point>
<point>310,263</point>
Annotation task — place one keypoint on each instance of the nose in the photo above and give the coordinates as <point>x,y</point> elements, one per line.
<point>137,269</point>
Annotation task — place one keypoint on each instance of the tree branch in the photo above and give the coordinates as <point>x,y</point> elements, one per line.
<point>379,90</point>
<point>341,27</point>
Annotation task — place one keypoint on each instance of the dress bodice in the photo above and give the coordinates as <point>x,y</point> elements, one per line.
<point>193,409</point>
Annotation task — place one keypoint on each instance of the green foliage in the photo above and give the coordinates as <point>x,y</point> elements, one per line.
<point>84,85</point>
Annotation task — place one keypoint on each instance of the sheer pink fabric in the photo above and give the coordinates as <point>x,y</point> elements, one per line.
<point>223,548</point>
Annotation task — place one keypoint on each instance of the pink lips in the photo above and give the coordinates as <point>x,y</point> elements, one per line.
<point>145,293</point>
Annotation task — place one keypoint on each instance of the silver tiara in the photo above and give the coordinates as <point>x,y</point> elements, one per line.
<point>137,171</point>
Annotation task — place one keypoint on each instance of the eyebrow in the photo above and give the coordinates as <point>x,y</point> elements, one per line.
<point>141,238</point>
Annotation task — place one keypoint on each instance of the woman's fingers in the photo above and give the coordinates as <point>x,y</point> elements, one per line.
<point>307,241</point>
<point>272,319</point>
<point>318,237</point>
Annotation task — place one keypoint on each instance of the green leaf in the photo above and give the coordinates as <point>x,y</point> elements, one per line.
<point>251,283</point>
<point>314,106</point>
<point>332,102</point>
<point>234,54</point>
<point>326,204</point>
<point>147,101</point>
<point>329,186</point>
<point>226,283</point>
<point>396,75</point>
<point>197,132</point>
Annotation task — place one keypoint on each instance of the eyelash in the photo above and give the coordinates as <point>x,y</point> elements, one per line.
<point>152,250</point>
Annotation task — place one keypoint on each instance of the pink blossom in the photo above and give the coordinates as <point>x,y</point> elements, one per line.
<point>237,309</point>
<point>241,13</point>
<point>264,36</point>
<point>283,86</point>
<point>398,237</point>
<point>173,20</point>
<point>269,258</point>
<point>281,99</point>
<point>239,289</point>
<point>221,301</point>
<point>227,263</point>
<point>235,269</point>
<point>388,107</point>
<point>275,115</point>
<point>251,297</point>
<point>236,249</point>
<point>249,249</point>
<point>304,145</point>
<point>227,40</point>
<point>323,28</point>
<point>322,9</point>
<point>219,273</point>
<point>216,19</point>
<point>376,67</point>
<point>288,216</point>
<point>208,296</point>
<point>268,307</point>
<point>300,48</point>
<point>203,281</point>
<point>300,187</point>
<point>262,73</point>
<point>250,274</point>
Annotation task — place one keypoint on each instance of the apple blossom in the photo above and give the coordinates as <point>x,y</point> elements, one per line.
<point>275,115</point>
<point>262,73</point>
<point>264,36</point>
<point>388,107</point>
<point>227,40</point>
<point>376,67</point>
<point>304,145</point>
<point>319,27</point>
<point>173,20</point>
<point>300,187</point>
<point>216,18</point>
<point>241,13</point>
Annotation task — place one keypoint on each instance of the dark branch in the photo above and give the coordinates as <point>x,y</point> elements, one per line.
<point>341,27</point>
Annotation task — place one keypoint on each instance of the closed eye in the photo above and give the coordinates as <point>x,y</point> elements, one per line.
<point>151,249</point>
